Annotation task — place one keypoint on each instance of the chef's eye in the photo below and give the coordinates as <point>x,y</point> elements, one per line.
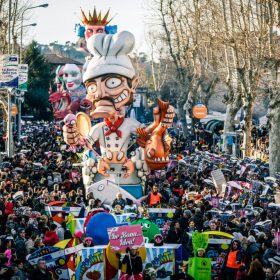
<point>92,88</point>
<point>100,30</point>
<point>90,30</point>
<point>113,82</point>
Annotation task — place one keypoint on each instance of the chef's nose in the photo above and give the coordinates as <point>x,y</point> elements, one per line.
<point>100,91</point>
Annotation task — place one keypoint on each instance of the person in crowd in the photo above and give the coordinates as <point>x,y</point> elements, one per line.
<point>88,242</point>
<point>51,237</point>
<point>174,235</point>
<point>154,198</point>
<point>21,250</point>
<point>119,201</point>
<point>41,271</point>
<point>233,260</point>
<point>256,270</point>
<point>134,265</point>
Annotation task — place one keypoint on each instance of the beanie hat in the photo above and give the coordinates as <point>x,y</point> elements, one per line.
<point>251,239</point>
<point>110,55</point>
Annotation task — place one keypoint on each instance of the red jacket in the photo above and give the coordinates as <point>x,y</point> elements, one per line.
<point>9,208</point>
<point>51,238</point>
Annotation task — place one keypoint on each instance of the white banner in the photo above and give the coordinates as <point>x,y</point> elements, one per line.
<point>9,71</point>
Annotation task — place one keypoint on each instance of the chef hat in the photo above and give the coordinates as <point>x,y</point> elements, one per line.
<point>110,55</point>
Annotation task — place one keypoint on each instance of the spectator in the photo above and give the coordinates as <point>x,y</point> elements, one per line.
<point>256,269</point>
<point>40,272</point>
<point>119,201</point>
<point>51,237</point>
<point>21,250</point>
<point>233,260</point>
<point>154,197</point>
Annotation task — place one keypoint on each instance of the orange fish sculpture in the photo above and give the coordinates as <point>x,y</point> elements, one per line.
<point>157,143</point>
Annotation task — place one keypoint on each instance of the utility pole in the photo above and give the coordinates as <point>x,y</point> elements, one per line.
<point>9,92</point>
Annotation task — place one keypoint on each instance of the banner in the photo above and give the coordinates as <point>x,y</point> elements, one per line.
<point>162,259</point>
<point>200,268</point>
<point>199,240</point>
<point>160,216</point>
<point>22,77</point>
<point>125,218</point>
<point>9,71</point>
<point>219,180</point>
<point>55,260</point>
<point>72,259</point>
<point>125,236</point>
<point>90,263</point>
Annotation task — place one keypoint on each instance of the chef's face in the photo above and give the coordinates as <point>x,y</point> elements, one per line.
<point>109,93</point>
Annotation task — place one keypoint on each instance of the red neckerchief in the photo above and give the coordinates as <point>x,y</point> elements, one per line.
<point>114,127</point>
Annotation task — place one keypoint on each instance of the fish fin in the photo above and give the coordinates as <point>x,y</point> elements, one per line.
<point>163,106</point>
<point>142,137</point>
<point>166,141</point>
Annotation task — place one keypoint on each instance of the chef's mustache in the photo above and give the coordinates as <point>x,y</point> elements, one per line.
<point>108,98</point>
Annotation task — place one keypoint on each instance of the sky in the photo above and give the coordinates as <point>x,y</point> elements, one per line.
<point>56,22</point>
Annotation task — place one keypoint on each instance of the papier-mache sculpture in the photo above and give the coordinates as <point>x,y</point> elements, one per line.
<point>111,82</point>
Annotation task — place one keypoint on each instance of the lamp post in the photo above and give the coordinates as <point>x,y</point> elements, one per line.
<point>21,97</point>
<point>21,31</point>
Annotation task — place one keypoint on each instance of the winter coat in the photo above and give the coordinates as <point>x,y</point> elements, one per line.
<point>21,250</point>
<point>51,238</point>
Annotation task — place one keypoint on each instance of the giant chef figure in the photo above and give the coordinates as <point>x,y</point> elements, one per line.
<point>111,81</point>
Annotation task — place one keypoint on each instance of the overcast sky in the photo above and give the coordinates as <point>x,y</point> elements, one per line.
<point>56,22</point>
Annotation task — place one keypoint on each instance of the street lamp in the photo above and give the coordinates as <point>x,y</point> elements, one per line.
<point>33,24</point>
<point>21,99</point>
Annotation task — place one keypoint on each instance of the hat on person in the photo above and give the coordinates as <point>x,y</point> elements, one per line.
<point>201,249</point>
<point>21,230</point>
<point>110,55</point>
<point>251,239</point>
<point>275,260</point>
<point>188,212</point>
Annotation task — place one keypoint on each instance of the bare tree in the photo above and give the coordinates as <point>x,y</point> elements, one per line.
<point>189,46</point>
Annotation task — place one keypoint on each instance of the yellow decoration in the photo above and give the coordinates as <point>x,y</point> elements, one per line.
<point>224,246</point>
<point>170,215</point>
<point>220,233</point>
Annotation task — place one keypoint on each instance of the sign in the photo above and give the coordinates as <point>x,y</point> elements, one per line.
<point>125,236</point>
<point>160,216</point>
<point>22,77</point>
<point>162,259</point>
<point>199,240</point>
<point>137,100</point>
<point>55,261</point>
<point>200,111</point>
<point>219,180</point>
<point>90,263</point>
<point>125,218</point>
<point>200,268</point>
<point>8,71</point>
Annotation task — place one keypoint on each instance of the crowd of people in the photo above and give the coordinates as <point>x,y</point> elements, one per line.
<point>42,171</point>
